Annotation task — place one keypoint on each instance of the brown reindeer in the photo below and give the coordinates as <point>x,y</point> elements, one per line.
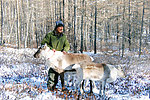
<point>104,73</point>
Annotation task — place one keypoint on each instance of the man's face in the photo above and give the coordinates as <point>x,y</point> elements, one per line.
<point>59,29</point>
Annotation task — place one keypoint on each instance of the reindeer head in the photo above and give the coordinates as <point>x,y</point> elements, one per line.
<point>43,51</point>
<point>120,72</point>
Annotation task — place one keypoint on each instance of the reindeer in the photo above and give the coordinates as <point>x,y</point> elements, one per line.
<point>104,73</point>
<point>59,61</point>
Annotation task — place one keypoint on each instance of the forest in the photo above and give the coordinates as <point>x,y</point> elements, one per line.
<point>90,25</point>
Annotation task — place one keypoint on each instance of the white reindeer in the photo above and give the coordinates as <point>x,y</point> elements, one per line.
<point>60,61</point>
<point>97,72</point>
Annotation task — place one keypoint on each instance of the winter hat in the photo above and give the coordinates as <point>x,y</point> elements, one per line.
<point>59,23</point>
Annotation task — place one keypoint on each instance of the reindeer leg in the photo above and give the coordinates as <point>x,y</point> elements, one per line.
<point>91,87</point>
<point>82,85</point>
<point>78,81</point>
<point>82,89</point>
<point>100,90</point>
<point>103,87</point>
<point>62,80</point>
<point>95,88</point>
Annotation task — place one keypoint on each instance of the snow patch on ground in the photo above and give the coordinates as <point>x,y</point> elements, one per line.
<point>23,77</point>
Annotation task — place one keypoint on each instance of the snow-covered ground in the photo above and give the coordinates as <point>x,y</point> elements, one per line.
<point>23,77</point>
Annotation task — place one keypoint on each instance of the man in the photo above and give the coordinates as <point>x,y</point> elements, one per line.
<point>56,40</point>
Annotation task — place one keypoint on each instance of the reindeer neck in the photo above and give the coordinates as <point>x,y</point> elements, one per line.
<point>56,55</point>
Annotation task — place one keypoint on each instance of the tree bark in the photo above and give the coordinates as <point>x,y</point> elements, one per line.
<point>81,49</point>
<point>1,42</point>
<point>95,28</point>
<point>18,24</point>
<point>75,42</point>
<point>63,10</point>
<point>123,35</point>
<point>141,30</point>
<point>129,25</point>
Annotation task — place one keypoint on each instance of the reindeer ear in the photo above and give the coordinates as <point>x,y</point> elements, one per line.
<point>119,68</point>
<point>45,46</point>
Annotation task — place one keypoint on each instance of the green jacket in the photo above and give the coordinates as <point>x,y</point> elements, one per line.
<point>59,43</point>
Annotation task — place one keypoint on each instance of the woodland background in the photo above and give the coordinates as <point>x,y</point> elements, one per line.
<point>90,25</point>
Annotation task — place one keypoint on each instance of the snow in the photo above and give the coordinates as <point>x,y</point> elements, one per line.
<point>24,77</point>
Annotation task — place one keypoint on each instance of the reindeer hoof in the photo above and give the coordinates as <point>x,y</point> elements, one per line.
<point>65,89</point>
<point>91,93</point>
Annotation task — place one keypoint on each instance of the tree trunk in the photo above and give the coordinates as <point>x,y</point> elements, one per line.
<point>85,39</point>
<point>56,10</point>
<point>1,42</point>
<point>91,31</point>
<point>60,18</point>
<point>118,33</point>
<point>141,30</point>
<point>95,28</point>
<point>86,29</point>
<point>129,25</point>
<point>27,27</point>
<point>18,24</point>
<point>123,35</point>
<point>75,42</point>
<point>81,49</point>
<point>63,10</point>
<point>34,25</point>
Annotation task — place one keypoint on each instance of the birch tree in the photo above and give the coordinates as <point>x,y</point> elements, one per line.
<point>123,29</point>
<point>75,42</point>
<point>1,42</point>
<point>81,49</point>
<point>18,24</point>
<point>129,25</point>
<point>141,30</point>
<point>95,35</point>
